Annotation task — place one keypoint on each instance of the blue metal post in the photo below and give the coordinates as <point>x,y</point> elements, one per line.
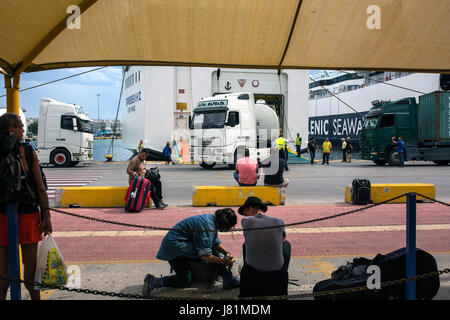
<point>13,250</point>
<point>411,245</point>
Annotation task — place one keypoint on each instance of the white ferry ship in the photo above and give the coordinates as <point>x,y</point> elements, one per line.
<point>157,102</point>
<point>338,100</point>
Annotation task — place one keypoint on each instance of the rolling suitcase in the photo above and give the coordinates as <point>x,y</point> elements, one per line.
<point>360,191</point>
<point>392,267</point>
<point>138,194</point>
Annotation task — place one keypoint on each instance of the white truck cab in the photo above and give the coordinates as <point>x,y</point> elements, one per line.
<point>223,123</point>
<point>65,135</point>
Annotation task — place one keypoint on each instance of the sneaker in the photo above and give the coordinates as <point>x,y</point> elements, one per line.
<point>232,283</point>
<point>159,206</point>
<point>150,284</point>
<point>164,204</point>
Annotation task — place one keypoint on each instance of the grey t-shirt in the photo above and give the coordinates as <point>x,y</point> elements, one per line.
<point>263,248</point>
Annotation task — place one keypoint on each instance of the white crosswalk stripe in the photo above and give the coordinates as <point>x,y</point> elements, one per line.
<point>71,177</point>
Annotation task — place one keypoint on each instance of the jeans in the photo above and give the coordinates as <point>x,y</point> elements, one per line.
<point>156,191</point>
<point>298,150</point>
<point>236,177</point>
<point>401,158</point>
<point>284,154</point>
<point>312,153</point>
<point>183,275</point>
<point>326,157</point>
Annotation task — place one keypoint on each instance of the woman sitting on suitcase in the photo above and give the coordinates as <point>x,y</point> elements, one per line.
<point>137,167</point>
<point>193,239</point>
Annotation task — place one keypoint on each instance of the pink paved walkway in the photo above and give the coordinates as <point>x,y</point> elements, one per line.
<point>96,248</point>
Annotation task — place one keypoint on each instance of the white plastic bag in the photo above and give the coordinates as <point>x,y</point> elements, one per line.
<point>50,268</point>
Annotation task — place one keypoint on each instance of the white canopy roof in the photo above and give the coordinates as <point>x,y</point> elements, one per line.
<point>413,35</point>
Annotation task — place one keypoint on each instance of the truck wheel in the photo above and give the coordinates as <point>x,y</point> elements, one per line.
<point>442,162</point>
<point>207,165</point>
<point>60,158</point>
<point>392,158</point>
<point>380,162</point>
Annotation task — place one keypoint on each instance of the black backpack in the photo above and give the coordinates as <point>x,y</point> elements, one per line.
<point>29,151</point>
<point>360,191</point>
<point>392,267</point>
<point>152,174</point>
<point>10,169</point>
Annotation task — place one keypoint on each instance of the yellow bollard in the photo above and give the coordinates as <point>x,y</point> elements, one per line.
<point>20,262</point>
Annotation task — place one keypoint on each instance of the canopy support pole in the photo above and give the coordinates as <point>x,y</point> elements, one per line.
<point>12,94</point>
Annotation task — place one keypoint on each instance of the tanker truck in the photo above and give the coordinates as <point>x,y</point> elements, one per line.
<point>222,125</point>
<point>423,126</point>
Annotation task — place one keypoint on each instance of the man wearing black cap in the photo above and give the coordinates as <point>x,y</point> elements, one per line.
<point>266,252</point>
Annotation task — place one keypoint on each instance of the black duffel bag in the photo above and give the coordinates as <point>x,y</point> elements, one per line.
<point>392,267</point>
<point>152,174</point>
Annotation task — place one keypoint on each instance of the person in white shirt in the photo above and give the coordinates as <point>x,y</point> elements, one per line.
<point>266,252</point>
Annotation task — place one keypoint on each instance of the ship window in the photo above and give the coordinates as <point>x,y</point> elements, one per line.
<point>388,120</point>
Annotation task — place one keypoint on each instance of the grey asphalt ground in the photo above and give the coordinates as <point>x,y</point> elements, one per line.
<point>309,184</point>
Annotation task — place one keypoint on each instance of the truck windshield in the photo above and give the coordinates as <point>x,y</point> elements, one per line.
<point>84,126</point>
<point>370,123</point>
<point>205,120</point>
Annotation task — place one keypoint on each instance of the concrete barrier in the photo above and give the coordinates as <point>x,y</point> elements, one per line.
<point>384,191</point>
<point>204,196</point>
<point>91,197</point>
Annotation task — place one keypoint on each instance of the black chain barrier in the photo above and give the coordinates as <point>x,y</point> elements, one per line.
<point>432,199</point>
<point>232,230</point>
<point>284,297</point>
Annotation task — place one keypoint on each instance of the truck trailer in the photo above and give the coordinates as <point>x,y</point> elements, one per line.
<point>423,126</point>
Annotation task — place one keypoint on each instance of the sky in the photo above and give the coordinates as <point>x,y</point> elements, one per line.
<point>81,90</point>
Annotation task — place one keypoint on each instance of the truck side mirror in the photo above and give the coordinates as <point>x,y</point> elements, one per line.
<point>74,123</point>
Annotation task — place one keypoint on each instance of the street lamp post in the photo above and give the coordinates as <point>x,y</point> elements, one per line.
<point>98,106</point>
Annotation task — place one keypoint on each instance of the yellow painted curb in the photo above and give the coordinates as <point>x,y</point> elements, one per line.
<point>91,197</point>
<point>384,191</point>
<point>220,196</point>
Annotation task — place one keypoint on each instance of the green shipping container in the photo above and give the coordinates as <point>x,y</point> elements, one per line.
<point>434,117</point>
